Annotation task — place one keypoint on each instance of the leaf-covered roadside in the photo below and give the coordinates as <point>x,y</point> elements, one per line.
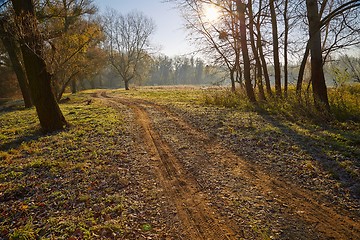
<point>67,185</point>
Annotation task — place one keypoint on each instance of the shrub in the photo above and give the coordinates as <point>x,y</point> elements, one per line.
<point>226,98</point>
<point>345,101</point>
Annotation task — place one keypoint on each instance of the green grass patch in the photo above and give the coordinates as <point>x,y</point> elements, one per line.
<point>54,186</point>
<point>166,94</point>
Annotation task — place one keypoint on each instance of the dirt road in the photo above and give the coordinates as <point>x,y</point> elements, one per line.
<point>217,194</point>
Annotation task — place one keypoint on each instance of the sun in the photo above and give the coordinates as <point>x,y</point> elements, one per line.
<point>211,13</point>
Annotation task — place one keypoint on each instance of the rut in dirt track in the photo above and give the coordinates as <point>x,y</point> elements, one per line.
<point>198,219</point>
<point>196,214</point>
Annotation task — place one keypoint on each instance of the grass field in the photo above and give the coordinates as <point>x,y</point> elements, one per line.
<point>48,182</point>
<point>62,185</point>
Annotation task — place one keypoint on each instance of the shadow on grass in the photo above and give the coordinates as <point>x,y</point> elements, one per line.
<point>15,143</point>
<point>10,105</point>
<point>321,149</point>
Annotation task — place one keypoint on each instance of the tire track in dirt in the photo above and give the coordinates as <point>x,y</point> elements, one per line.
<point>303,203</point>
<point>299,201</point>
<point>199,219</point>
<point>193,209</point>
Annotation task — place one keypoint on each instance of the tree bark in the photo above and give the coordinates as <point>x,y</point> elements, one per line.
<point>261,54</point>
<point>254,47</point>
<point>126,81</point>
<point>302,70</point>
<point>48,110</point>
<point>232,78</point>
<point>13,50</point>
<point>73,87</point>
<point>317,72</point>
<point>275,49</point>
<point>247,76</point>
<point>286,37</point>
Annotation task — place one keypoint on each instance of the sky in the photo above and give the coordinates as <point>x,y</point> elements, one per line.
<point>170,34</point>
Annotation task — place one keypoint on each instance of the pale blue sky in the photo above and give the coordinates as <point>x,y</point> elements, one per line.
<point>169,34</point>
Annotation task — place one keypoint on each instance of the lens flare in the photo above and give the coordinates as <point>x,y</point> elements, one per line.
<point>211,13</point>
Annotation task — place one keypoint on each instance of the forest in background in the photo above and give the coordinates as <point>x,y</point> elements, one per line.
<point>165,71</point>
<point>262,47</point>
<point>83,38</point>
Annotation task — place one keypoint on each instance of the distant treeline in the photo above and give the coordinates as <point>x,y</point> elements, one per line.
<point>161,70</point>
<point>164,70</point>
<point>180,70</point>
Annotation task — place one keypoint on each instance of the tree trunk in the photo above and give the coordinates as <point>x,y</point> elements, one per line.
<point>261,54</point>
<point>275,49</point>
<point>238,69</point>
<point>232,78</point>
<point>286,37</point>
<point>73,87</point>
<point>317,72</point>
<point>13,50</point>
<point>302,70</point>
<point>258,67</point>
<point>239,75</point>
<point>247,76</point>
<point>126,81</point>
<point>48,110</point>
<point>70,81</point>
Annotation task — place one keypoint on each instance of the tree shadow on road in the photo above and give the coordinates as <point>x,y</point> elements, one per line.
<point>331,148</point>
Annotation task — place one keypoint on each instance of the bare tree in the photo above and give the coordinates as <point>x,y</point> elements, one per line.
<point>244,49</point>
<point>221,39</point>
<point>340,36</point>
<point>270,36</point>
<point>259,44</point>
<point>218,38</point>
<point>286,43</point>
<point>255,45</point>
<point>352,67</point>
<point>128,38</point>
<point>274,25</point>
<point>317,72</point>
<point>340,27</point>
